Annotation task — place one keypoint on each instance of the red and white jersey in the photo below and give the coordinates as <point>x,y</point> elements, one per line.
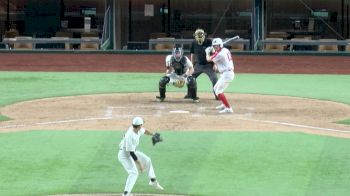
<point>131,139</point>
<point>223,60</point>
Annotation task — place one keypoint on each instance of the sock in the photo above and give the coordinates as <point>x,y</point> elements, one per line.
<point>224,100</point>
<point>125,193</point>
<point>153,179</point>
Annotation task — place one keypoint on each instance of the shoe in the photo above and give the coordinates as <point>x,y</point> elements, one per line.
<point>220,107</point>
<point>187,97</point>
<point>160,99</point>
<point>226,110</point>
<point>196,100</point>
<point>127,194</point>
<point>156,185</point>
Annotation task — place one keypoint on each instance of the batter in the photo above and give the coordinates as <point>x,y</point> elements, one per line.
<point>222,59</point>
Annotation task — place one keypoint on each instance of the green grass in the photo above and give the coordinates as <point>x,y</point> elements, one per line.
<point>206,163</point>
<point>195,163</point>
<point>21,86</point>
<point>346,122</point>
<point>3,118</point>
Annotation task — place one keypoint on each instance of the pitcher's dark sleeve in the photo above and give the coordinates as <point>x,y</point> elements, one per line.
<point>133,155</point>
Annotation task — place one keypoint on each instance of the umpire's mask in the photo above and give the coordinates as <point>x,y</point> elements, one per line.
<point>199,35</point>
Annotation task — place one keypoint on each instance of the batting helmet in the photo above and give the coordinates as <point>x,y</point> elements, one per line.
<point>217,41</point>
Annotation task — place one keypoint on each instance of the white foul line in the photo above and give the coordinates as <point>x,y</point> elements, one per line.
<point>72,120</point>
<point>295,125</point>
<point>109,113</point>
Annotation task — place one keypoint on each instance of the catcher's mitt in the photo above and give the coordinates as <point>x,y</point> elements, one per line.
<point>179,83</point>
<point>156,138</point>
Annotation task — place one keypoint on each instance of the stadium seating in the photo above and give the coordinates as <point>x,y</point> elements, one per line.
<point>165,46</point>
<point>23,46</point>
<point>327,48</point>
<point>274,47</point>
<point>347,48</point>
<point>89,46</point>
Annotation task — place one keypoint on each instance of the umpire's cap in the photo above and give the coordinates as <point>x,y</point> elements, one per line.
<point>137,121</point>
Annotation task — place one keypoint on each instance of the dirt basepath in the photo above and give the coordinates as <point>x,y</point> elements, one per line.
<point>114,112</point>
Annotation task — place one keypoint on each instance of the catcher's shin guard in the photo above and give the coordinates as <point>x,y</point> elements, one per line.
<point>162,92</point>
<point>162,86</point>
<point>192,87</point>
<point>188,95</point>
<point>193,93</point>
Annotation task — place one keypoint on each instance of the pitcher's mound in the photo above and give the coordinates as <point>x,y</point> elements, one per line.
<point>115,111</point>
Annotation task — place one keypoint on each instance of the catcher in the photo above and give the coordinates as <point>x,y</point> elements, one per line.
<point>179,71</point>
<point>135,161</point>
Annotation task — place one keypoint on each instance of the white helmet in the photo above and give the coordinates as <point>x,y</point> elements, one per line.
<point>217,41</point>
<point>137,121</point>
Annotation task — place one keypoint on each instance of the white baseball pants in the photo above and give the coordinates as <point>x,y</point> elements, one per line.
<point>223,82</point>
<point>130,167</point>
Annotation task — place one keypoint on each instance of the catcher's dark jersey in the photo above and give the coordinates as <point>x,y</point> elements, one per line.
<point>199,51</point>
<point>179,67</point>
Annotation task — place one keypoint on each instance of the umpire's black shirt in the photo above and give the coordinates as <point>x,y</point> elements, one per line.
<point>199,51</point>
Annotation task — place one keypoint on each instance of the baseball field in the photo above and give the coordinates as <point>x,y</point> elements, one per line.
<point>60,130</point>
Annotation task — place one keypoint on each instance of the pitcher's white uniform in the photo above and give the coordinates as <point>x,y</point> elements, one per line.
<point>225,66</point>
<point>129,144</point>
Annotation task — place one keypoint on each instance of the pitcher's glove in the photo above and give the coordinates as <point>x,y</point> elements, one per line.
<point>156,138</point>
<point>179,83</point>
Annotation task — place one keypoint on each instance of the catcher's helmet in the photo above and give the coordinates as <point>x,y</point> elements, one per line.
<point>177,53</point>
<point>199,35</point>
<point>217,41</point>
<point>137,121</point>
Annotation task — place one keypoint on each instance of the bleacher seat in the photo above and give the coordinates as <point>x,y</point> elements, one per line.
<point>274,47</point>
<point>327,48</point>
<point>23,46</point>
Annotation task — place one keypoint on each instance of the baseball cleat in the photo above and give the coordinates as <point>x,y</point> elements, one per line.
<point>220,107</point>
<point>160,99</point>
<point>187,97</point>
<point>226,110</point>
<point>156,185</point>
<point>196,100</point>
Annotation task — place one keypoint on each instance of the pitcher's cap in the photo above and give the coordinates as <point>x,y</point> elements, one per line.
<point>137,121</point>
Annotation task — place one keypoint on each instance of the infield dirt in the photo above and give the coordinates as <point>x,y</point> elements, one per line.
<point>115,111</point>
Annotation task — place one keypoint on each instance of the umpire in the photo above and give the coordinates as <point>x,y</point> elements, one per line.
<point>198,57</point>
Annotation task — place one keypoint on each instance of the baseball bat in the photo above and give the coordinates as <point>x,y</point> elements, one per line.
<point>231,39</point>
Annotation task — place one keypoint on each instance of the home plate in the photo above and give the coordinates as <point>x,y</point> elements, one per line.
<point>180,111</point>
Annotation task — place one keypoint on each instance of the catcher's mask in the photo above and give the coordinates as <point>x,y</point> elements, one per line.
<point>217,42</point>
<point>177,54</point>
<point>199,35</point>
<point>137,121</point>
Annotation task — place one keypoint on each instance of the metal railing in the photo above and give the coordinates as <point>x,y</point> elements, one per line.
<point>56,40</point>
<point>188,42</point>
<point>292,43</point>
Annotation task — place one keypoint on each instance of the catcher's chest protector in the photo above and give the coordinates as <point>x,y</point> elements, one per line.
<point>179,67</point>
